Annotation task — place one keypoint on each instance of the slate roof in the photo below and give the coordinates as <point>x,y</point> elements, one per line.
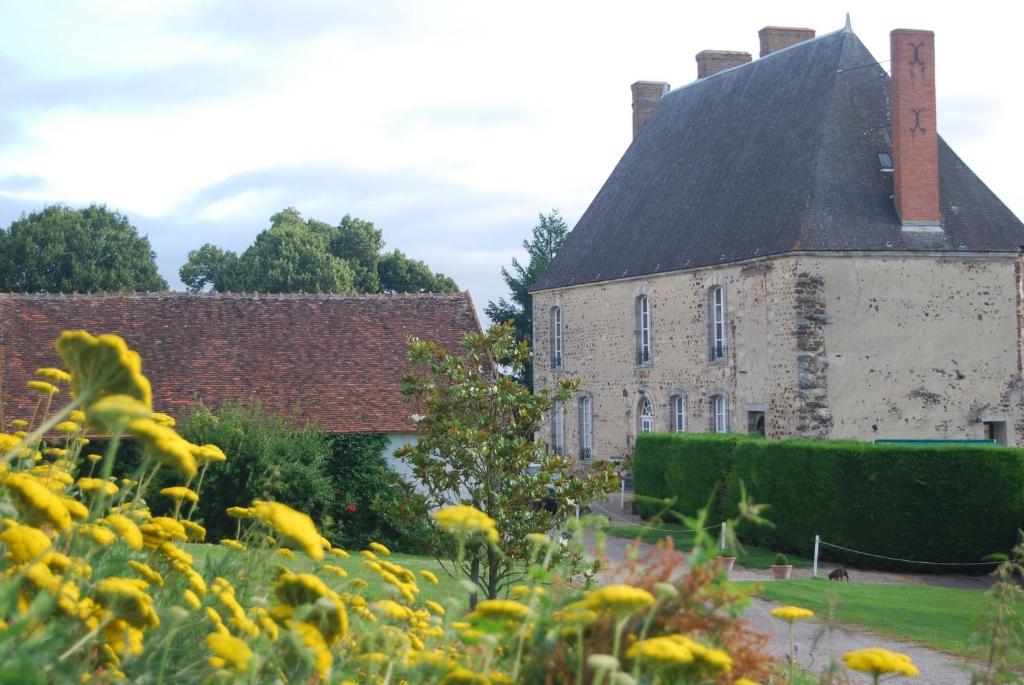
<point>332,360</point>
<point>770,157</point>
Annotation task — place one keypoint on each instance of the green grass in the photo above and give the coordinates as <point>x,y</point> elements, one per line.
<point>938,617</point>
<point>749,556</point>
<point>449,587</point>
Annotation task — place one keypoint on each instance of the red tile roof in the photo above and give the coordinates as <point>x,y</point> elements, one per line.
<point>332,360</point>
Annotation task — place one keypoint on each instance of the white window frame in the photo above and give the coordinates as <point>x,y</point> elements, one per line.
<point>586,413</point>
<point>555,322</point>
<point>719,413</point>
<point>558,427</point>
<point>677,412</point>
<point>645,421</point>
<point>718,334</point>
<point>643,324</point>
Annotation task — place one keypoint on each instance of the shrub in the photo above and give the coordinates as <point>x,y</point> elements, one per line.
<point>780,560</point>
<point>928,503</point>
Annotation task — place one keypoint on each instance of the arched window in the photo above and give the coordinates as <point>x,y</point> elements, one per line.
<point>585,410</point>
<point>716,310</point>
<point>717,413</point>
<point>677,412</point>
<point>645,415</point>
<point>558,427</point>
<point>643,330</point>
<point>555,327</point>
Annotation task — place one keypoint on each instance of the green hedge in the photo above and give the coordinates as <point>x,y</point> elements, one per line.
<point>927,503</point>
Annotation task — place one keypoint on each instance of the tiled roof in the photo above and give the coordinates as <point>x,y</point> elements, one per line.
<point>774,156</point>
<point>332,360</point>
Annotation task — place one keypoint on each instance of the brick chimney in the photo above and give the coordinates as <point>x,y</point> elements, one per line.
<point>774,38</point>
<point>915,143</point>
<point>646,95</point>
<point>710,62</point>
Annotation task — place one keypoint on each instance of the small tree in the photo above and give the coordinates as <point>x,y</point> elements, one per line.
<point>477,447</point>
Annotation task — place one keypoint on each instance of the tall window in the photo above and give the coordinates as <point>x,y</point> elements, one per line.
<point>586,414</point>
<point>716,301</point>
<point>717,413</point>
<point>646,415</point>
<point>643,330</point>
<point>558,427</point>
<point>556,337</point>
<point>677,407</point>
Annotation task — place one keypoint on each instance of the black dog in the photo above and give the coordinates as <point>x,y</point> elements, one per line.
<point>839,574</point>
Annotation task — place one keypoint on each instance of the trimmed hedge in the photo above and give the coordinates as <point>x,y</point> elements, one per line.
<point>925,503</point>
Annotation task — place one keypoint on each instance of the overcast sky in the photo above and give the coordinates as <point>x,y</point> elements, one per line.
<point>448,124</point>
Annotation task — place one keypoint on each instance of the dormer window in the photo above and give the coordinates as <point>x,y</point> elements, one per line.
<point>716,304</point>
<point>885,162</point>
<point>643,331</point>
<point>555,325</point>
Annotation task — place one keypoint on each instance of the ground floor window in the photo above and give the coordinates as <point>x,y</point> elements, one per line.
<point>677,404</point>
<point>586,412</point>
<point>558,428</point>
<point>755,423</point>
<point>646,424</point>
<point>717,413</point>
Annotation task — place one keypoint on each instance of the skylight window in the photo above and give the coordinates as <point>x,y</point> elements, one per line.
<point>885,161</point>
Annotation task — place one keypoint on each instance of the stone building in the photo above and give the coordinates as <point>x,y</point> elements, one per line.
<point>788,247</point>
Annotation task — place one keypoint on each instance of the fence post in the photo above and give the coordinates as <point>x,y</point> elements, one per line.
<point>577,512</point>
<point>622,494</point>
<point>721,539</point>
<point>817,540</point>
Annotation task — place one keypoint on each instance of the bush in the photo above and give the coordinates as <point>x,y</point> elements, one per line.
<point>927,503</point>
<point>780,560</point>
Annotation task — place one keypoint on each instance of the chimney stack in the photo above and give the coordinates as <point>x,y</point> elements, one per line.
<point>646,95</point>
<point>774,38</point>
<point>915,143</point>
<point>710,62</point>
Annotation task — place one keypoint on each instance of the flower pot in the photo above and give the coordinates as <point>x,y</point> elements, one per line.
<point>782,572</point>
<point>728,562</point>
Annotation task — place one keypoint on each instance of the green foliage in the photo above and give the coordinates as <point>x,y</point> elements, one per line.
<point>549,235</point>
<point>476,446</point>
<point>780,560</point>
<point>297,255</point>
<point>65,250</point>
<point>929,503</point>
<point>268,458</point>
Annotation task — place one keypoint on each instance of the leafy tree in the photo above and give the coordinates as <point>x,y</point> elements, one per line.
<point>400,274</point>
<point>306,255</point>
<point>548,237</point>
<point>65,250</point>
<point>476,446</point>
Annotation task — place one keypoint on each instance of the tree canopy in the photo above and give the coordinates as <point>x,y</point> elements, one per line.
<point>296,255</point>
<point>548,237</point>
<point>64,250</point>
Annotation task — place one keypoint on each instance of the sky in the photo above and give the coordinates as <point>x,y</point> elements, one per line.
<point>449,124</point>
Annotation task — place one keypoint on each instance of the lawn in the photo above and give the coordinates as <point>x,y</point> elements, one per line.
<point>934,616</point>
<point>749,556</point>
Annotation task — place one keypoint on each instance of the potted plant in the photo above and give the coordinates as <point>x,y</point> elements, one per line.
<point>781,568</point>
<point>728,557</point>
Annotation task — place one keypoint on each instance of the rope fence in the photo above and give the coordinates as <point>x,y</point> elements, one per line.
<point>818,542</point>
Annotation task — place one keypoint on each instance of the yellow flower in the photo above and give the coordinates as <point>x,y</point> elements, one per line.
<point>55,452</point>
<point>123,638</point>
<point>460,675</point>
<point>379,548</point>
<point>194,531</point>
<point>744,681</point>
<point>25,543</point>
<point>328,615</point>
<point>368,554</point>
<point>286,553</point>
<point>42,388</point>
<point>709,659</point>
<point>619,599</point>
<point>127,599</point>
<point>791,613</point>
<point>294,527</point>
<point>393,610</point>
<point>169,448</point>
<point>180,492</point>
<point>575,615</point>
<point>209,453</point>
<point>78,416</point>
<point>94,458</point>
<point>216,620</point>
<point>314,642</point>
<point>67,427</point>
<point>113,413</point>
<point>96,486</point>
<point>229,650</point>
<point>662,652</point>
<point>435,607</point>
<point>500,609</point>
<point>21,423</point>
<point>241,512</point>
<point>466,520</point>
<point>76,509</point>
<point>102,536</point>
<point>147,572</point>
<point>191,599</point>
<point>233,544</point>
<point>878,661</point>
<point>102,366</point>
<point>35,502</point>
<point>430,577</point>
<point>126,528</point>
<point>336,570</point>
<point>55,375</point>
<point>173,528</point>
<point>164,419</point>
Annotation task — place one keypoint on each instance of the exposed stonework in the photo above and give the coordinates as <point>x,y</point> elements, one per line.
<point>814,419</point>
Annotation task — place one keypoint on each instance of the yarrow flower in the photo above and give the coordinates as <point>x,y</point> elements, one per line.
<point>43,388</point>
<point>229,650</point>
<point>180,492</point>
<point>429,577</point>
<point>501,609</point>
<point>35,502</point>
<point>379,548</point>
<point>791,613</point>
<point>664,652</point>
<point>877,662</point>
<point>619,599</point>
<point>55,375</point>
<point>466,520</point>
<point>102,366</point>
<point>294,527</point>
